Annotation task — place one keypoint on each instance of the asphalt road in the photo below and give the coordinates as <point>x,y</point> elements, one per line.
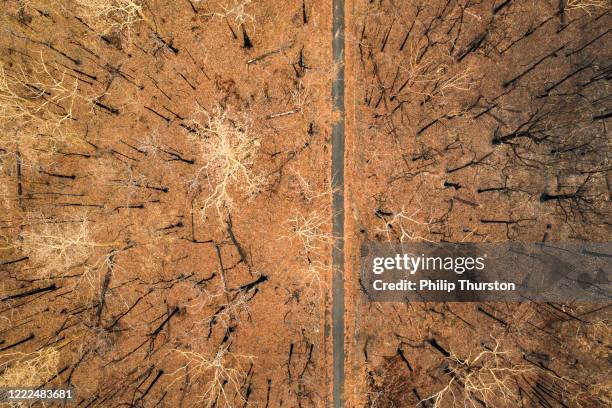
<point>338,208</point>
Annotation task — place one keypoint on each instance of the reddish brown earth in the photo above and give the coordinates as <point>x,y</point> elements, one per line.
<point>478,122</point>
<point>162,304</point>
<point>467,121</point>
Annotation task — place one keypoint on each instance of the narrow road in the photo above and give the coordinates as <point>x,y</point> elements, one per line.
<point>337,182</point>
